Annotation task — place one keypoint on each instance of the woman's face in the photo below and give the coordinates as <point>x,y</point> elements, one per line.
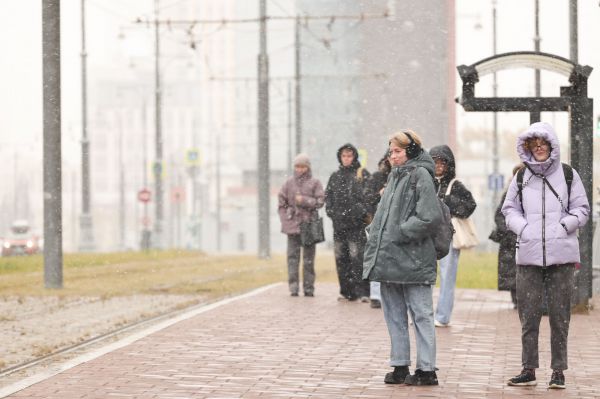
<point>301,169</point>
<point>397,155</point>
<point>440,167</point>
<point>540,148</point>
<point>347,157</point>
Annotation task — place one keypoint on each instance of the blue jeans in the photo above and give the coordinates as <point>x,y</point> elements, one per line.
<point>397,301</point>
<point>448,269</point>
<point>375,290</point>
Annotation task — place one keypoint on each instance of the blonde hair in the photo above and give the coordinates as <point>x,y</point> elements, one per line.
<point>402,140</point>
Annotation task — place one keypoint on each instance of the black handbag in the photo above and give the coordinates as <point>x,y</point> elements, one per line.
<point>495,236</point>
<point>311,232</point>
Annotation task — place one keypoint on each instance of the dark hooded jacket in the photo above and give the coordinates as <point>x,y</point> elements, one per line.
<point>400,248</point>
<point>460,200</point>
<point>377,181</point>
<point>345,201</point>
<point>507,270</point>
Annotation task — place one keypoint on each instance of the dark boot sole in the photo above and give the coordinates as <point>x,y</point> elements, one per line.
<point>423,384</point>
<point>522,384</point>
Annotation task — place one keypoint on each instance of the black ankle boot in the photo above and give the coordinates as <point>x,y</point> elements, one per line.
<point>421,377</point>
<point>397,376</point>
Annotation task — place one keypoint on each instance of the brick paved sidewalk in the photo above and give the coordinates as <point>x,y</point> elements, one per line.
<point>272,345</point>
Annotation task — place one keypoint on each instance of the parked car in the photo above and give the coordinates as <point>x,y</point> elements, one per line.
<point>20,240</point>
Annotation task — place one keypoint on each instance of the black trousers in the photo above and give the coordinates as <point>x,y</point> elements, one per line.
<point>531,282</point>
<point>349,247</point>
<point>294,246</point>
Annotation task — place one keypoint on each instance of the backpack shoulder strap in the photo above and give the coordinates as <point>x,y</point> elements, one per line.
<point>413,178</point>
<point>568,171</point>
<point>520,174</point>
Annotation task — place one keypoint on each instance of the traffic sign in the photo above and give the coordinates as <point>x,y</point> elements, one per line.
<point>192,157</point>
<point>495,182</point>
<point>157,169</point>
<point>177,194</point>
<point>144,195</point>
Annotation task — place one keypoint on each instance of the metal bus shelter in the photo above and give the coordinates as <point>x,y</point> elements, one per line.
<point>572,99</point>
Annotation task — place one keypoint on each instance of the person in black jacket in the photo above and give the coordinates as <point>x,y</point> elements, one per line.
<point>461,204</point>
<point>507,267</point>
<point>374,191</point>
<point>345,204</point>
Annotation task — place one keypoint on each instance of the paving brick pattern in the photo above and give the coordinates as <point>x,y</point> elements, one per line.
<point>274,346</point>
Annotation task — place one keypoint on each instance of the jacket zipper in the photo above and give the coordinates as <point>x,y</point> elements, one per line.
<point>544,221</point>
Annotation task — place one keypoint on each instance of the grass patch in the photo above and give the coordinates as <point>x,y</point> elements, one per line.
<point>188,272</point>
<point>477,270</point>
<point>19,264</point>
<point>168,272</point>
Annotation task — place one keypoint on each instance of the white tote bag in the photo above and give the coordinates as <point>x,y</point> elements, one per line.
<point>465,235</point>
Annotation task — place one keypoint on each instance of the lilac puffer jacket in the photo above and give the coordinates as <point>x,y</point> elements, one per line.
<point>547,232</point>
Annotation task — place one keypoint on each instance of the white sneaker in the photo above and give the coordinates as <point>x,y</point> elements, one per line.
<point>440,324</point>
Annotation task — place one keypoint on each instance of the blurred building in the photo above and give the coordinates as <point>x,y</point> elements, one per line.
<point>365,79</point>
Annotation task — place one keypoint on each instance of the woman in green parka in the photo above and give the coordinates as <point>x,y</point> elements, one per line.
<point>400,255</point>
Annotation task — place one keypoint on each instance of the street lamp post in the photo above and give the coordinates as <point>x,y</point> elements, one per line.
<point>264,250</point>
<point>157,169</point>
<point>495,151</point>
<point>53,251</point>
<point>86,243</point>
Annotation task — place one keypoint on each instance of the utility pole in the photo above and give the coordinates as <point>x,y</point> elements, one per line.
<point>298,76</point>
<point>86,243</point>
<point>178,212</point>
<point>583,279</point>
<point>218,184</point>
<point>53,255</point>
<point>74,209</point>
<point>535,116</point>
<point>158,163</point>
<point>121,185</point>
<point>573,27</point>
<point>193,173</point>
<point>16,184</point>
<point>290,124</point>
<point>145,239</point>
<point>264,250</point>
<point>495,155</point>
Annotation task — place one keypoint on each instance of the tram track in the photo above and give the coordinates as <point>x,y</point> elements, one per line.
<point>11,371</point>
<point>96,339</point>
<point>107,335</point>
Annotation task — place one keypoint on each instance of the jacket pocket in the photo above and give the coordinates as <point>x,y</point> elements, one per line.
<point>558,231</point>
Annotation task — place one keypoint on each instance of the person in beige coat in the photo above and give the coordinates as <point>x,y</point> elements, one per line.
<point>300,198</point>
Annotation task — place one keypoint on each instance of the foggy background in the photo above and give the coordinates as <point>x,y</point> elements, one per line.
<point>362,79</point>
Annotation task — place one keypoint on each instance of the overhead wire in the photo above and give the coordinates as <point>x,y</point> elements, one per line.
<point>108,10</point>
